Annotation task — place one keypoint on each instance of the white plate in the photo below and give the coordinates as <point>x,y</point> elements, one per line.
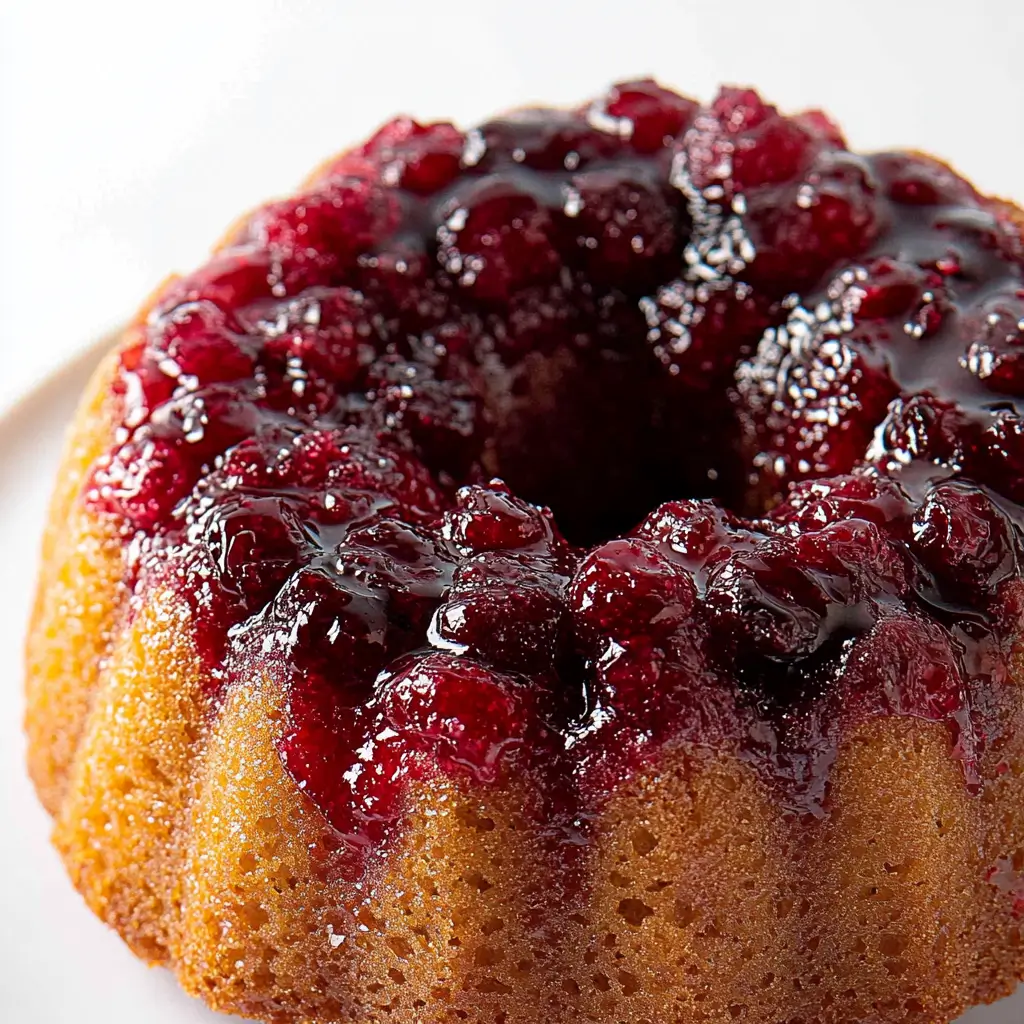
<point>58,964</point>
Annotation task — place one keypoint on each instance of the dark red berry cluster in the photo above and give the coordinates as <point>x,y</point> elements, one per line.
<point>644,311</point>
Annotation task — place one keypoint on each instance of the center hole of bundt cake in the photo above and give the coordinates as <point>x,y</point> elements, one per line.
<point>602,438</point>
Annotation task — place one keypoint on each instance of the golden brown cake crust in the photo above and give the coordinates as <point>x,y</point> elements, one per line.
<point>183,832</point>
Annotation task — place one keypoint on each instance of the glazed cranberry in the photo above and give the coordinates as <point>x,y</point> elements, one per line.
<point>441,415</point>
<point>627,588</point>
<point>329,467</point>
<point>623,227</point>
<point>143,481</point>
<point>766,598</point>
<point>336,623</point>
<point>491,519</point>
<point>654,115</point>
<point>142,383</point>
<point>919,180</point>
<point>505,610</point>
<point>813,504</point>
<point>496,238</point>
<point>256,543</point>
<point>888,288</point>
<point>199,344</point>
<point>697,534</point>
<point>964,539</point>
<point>332,333</point>
<point>818,387</point>
<point>860,552</point>
<point>395,574</point>
<point>512,625</point>
<point>907,664</point>
<point>920,427</point>
<point>722,131</point>
<point>778,598</point>
<point>995,334</point>
<point>206,422</point>
<point>338,759</point>
<point>641,686</point>
<point>420,158</point>
<point>542,140</point>
<point>984,244</point>
<point>829,216</point>
<point>699,334</point>
<point>233,278</point>
<point>822,127</point>
<point>469,719</point>
<point>812,395</point>
<point>322,232</point>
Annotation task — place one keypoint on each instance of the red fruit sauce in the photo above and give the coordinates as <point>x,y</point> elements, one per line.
<point>752,398</point>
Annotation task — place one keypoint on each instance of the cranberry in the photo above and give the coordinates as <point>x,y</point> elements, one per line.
<point>722,132</point>
<point>908,664</point>
<point>781,597</point>
<point>332,465</point>
<point>320,233</point>
<point>420,158</point>
<point>336,621</point>
<point>822,127</point>
<point>920,427</point>
<point>199,344</point>
<point>699,333</point>
<point>812,395</point>
<point>919,180</point>
<point>995,335</point>
<point>802,231</point>
<point>142,383</point>
<point>143,481</point>
<point>697,533</point>
<point>256,543</point>
<point>496,239</point>
<point>998,455</point>
<point>654,115</point>
<point>765,597</point>
<point>627,588</point>
<point>206,422</point>
<point>492,519</point>
<point>440,415</point>
<point>890,289</point>
<point>814,504</point>
<point>468,718</point>
<point>543,140</point>
<point>623,227</point>
<point>331,333</point>
<point>234,277</point>
<point>964,539</point>
<point>505,610</point>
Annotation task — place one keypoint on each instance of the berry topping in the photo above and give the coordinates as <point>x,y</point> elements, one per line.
<point>460,714</point>
<point>995,343</point>
<point>964,540</point>
<point>627,588</point>
<point>497,238</point>
<point>535,449</point>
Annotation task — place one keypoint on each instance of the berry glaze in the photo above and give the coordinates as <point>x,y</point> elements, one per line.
<point>533,450</point>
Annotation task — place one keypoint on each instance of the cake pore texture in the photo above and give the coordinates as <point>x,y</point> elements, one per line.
<point>709,709</point>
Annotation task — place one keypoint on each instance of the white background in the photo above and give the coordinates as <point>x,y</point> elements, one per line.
<point>132,133</point>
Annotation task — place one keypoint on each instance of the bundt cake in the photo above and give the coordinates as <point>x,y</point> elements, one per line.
<point>564,570</point>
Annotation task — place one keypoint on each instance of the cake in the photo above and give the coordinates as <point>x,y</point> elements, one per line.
<point>563,570</point>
